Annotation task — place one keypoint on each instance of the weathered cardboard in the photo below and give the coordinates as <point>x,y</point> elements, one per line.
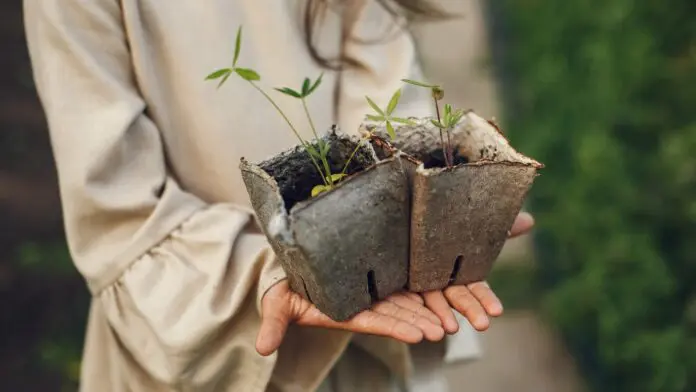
<point>335,245</point>
<point>460,216</point>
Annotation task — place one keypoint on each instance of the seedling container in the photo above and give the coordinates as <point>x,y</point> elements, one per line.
<point>343,249</point>
<point>460,216</point>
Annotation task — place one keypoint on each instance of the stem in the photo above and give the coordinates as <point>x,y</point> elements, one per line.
<point>450,150</point>
<point>311,123</point>
<point>287,120</point>
<point>352,155</point>
<point>442,139</point>
<point>324,162</point>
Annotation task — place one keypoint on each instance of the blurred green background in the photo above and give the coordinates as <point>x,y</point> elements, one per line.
<point>603,92</point>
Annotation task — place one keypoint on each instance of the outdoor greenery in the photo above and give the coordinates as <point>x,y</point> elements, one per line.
<point>604,93</point>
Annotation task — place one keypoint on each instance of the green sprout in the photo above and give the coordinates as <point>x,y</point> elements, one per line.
<point>245,73</point>
<point>318,153</point>
<point>446,122</point>
<point>385,116</point>
<point>252,76</point>
<point>382,116</point>
<point>321,153</point>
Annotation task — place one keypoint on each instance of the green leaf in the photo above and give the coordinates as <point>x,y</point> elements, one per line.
<point>393,102</point>
<point>247,74</point>
<point>316,84</point>
<point>289,91</point>
<point>419,84</point>
<point>390,130</point>
<point>374,106</point>
<point>237,46</point>
<point>323,147</point>
<point>335,178</point>
<point>305,87</point>
<point>218,74</point>
<point>457,116</point>
<point>224,79</point>
<point>313,151</point>
<point>376,118</point>
<point>437,124</point>
<point>320,189</point>
<point>400,120</point>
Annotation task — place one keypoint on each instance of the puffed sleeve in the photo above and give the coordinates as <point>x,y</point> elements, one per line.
<point>172,272</point>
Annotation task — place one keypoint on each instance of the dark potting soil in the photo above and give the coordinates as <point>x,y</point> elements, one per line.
<point>296,175</point>
<point>436,158</point>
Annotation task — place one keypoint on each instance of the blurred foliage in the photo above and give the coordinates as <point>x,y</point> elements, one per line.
<point>44,323</point>
<point>516,284</point>
<point>604,93</point>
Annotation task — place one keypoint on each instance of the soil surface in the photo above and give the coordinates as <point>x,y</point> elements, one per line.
<point>296,174</point>
<point>436,158</point>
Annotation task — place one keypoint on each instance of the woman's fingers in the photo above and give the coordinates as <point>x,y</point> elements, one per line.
<point>462,299</point>
<point>487,298</point>
<point>399,317</point>
<point>523,224</point>
<point>431,329</point>
<point>366,322</point>
<point>413,296</point>
<point>409,301</point>
<point>437,303</point>
<point>275,317</point>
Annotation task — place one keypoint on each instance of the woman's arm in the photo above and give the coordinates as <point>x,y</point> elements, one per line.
<point>171,272</point>
<point>180,281</point>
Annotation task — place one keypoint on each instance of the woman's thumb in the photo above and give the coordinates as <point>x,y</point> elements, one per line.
<point>274,323</point>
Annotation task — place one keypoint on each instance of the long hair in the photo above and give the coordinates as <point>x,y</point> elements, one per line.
<point>402,11</point>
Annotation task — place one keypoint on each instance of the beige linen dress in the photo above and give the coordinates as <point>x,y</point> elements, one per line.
<point>157,217</point>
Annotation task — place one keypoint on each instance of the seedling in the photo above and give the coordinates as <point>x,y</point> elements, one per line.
<point>385,116</point>
<point>319,153</point>
<point>446,122</point>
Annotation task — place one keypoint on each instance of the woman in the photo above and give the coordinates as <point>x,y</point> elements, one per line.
<point>186,293</point>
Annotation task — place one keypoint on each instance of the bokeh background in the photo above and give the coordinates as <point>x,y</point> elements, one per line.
<point>602,297</point>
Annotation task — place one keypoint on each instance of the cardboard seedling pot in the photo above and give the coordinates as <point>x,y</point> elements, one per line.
<point>461,216</point>
<point>345,248</point>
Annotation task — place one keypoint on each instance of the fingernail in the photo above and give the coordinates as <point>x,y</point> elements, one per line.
<point>496,309</point>
<point>481,323</point>
<point>452,327</point>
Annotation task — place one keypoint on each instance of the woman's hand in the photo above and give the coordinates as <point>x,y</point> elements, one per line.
<point>476,301</point>
<point>407,317</point>
<point>402,316</point>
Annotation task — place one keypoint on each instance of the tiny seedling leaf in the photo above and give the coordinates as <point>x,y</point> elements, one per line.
<point>323,147</point>
<point>400,120</point>
<point>305,87</point>
<point>374,106</point>
<point>457,116</point>
<point>237,46</point>
<point>335,178</point>
<point>419,84</point>
<point>289,91</point>
<point>393,102</point>
<point>247,74</point>
<point>390,130</point>
<point>224,79</point>
<point>372,117</point>
<point>313,151</point>
<point>218,74</point>
<point>320,189</point>
<point>448,110</point>
<point>316,84</point>
<point>437,124</point>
